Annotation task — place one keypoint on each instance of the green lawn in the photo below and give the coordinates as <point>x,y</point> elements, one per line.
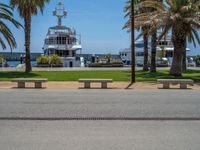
<point>115,75</point>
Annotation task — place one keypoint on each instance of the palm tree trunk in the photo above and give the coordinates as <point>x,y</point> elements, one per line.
<point>184,63</point>
<point>153,52</point>
<point>176,68</point>
<point>179,46</point>
<point>27,22</point>
<point>145,63</point>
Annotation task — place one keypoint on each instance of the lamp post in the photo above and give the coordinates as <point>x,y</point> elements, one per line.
<point>132,42</point>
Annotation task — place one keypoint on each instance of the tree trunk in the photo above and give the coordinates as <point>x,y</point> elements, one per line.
<point>145,63</point>
<point>176,68</point>
<point>179,46</point>
<point>153,52</point>
<point>184,63</point>
<point>27,22</point>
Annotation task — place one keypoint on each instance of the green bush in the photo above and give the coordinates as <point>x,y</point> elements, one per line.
<point>43,60</point>
<point>55,59</point>
<point>197,59</point>
<point>1,59</point>
<point>111,63</point>
<point>117,62</point>
<point>165,62</point>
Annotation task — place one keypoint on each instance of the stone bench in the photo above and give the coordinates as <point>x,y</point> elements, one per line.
<point>87,82</point>
<point>183,82</point>
<point>22,82</point>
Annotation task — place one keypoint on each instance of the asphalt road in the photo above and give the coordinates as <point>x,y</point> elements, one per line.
<point>99,135</point>
<point>65,104</point>
<point>40,119</point>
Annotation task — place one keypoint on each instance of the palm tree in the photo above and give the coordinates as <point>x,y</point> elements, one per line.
<point>184,62</point>
<point>6,15</point>
<point>148,29</point>
<point>181,17</point>
<point>154,44</point>
<point>145,33</point>
<point>130,12</point>
<point>144,29</point>
<point>26,9</point>
<point>146,52</point>
<point>153,50</point>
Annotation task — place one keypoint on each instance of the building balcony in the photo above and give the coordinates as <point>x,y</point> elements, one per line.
<point>63,47</point>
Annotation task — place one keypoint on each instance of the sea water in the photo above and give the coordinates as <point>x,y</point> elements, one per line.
<point>16,63</point>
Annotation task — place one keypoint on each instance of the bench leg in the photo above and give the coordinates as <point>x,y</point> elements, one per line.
<point>165,85</point>
<point>104,85</point>
<point>21,84</point>
<point>183,86</point>
<point>87,85</point>
<point>38,84</point>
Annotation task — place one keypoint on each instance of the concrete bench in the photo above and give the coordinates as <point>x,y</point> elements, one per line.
<point>21,82</point>
<point>87,82</point>
<point>183,82</point>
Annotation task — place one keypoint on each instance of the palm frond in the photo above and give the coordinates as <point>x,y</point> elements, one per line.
<point>6,15</point>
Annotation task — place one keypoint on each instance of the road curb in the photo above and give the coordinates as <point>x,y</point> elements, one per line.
<point>96,119</point>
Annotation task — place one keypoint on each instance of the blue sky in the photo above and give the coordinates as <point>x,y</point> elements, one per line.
<point>99,22</point>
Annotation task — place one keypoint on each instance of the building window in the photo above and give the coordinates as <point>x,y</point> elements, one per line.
<point>64,40</point>
<point>69,41</point>
<point>140,54</point>
<point>59,40</point>
<point>50,41</point>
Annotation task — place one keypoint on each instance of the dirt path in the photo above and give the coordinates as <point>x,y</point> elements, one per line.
<point>76,85</point>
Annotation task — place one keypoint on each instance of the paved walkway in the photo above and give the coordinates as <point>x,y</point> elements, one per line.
<point>66,69</point>
<point>72,85</point>
<point>87,69</point>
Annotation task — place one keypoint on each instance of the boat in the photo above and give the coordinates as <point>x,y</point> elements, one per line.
<point>63,41</point>
<point>164,46</point>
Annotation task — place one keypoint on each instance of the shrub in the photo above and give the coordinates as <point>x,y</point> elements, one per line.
<point>113,64</point>
<point>55,59</point>
<point>117,62</point>
<point>1,59</point>
<point>43,60</point>
<point>165,62</point>
<point>197,58</point>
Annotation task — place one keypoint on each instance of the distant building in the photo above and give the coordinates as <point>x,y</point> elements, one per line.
<point>91,58</point>
<point>15,56</point>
